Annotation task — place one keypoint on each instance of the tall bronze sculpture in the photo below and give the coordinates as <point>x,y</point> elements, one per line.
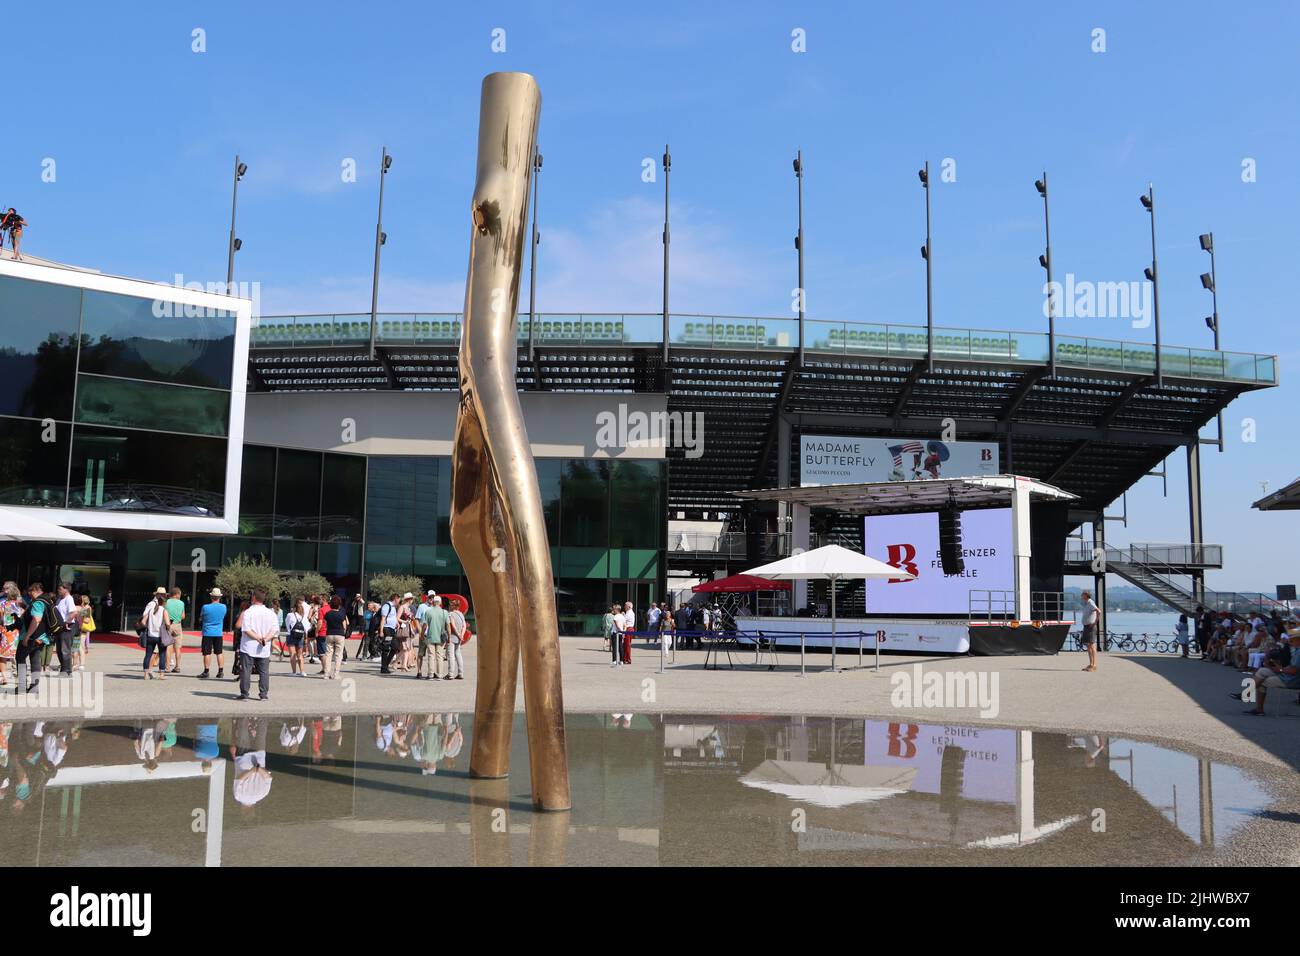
<point>497,525</point>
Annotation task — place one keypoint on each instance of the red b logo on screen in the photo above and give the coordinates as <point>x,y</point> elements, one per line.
<point>903,557</point>
<point>986,454</point>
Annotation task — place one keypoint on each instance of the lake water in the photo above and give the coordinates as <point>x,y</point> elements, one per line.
<point>679,789</point>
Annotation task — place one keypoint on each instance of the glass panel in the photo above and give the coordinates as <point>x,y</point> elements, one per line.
<point>1240,366</point>
<point>38,352</point>
<point>638,329</point>
<point>636,504</point>
<point>584,515</point>
<point>252,548</point>
<point>952,342</point>
<point>390,501</point>
<point>1029,347</point>
<point>583,563</point>
<point>388,557</point>
<point>33,472</point>
<point>123,336</point>
<point>1207,363</point>
<point>690,329</point>
<point>297,495</point>
<point>257,490</point>
<point>167,408</point>
<point>293,555</point>
<point>549,472</point>
<point>1141,358</point>
<point>824,336</point>
<point>432,560</point>
<point>343,498</point>
<point>581,603</point>
<point>430,508</point>
<point>140,471</point>
<point>1265,368</point>
<point>1175,361</point>
<point>633,563</point>
<point>778,333</point>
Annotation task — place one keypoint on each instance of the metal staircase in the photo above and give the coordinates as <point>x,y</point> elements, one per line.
<point>1156,569</point>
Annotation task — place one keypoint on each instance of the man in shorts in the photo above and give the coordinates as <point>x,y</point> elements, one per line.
<point>213,621</point>
<point>1091,614</point>
<point>1284,676</point>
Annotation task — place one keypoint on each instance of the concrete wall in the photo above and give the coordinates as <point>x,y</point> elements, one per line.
<point>560,425</point>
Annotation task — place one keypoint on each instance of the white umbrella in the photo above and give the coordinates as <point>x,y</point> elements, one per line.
<point>837,785</point>
<point>831,563</point>
<point>18,526</point>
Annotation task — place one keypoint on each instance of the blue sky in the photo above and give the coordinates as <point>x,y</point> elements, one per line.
<point>143,132</point>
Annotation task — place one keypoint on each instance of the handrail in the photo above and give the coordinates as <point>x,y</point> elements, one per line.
<point>732,332</point>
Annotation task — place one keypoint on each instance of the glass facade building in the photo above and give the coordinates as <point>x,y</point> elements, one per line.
<point>108,405</point>
<point>351,516</point>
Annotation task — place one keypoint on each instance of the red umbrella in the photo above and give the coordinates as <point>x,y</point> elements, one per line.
<point>741,584</point>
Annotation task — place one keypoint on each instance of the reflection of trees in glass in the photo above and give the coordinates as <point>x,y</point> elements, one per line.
<point>32,472</point>
<point>179,361</point>
<point>48,375</point>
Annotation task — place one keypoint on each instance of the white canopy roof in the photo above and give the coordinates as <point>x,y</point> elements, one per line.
<point>21,526</point>
<point>831,562</point>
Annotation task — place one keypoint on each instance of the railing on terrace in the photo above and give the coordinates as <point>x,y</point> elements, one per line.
<point>1178,555</point>
<point>777,334</point>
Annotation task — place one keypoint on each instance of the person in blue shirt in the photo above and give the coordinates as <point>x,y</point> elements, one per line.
<point>212,620</point>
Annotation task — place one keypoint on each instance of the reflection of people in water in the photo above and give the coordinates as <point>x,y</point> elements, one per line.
<point>206,747</point>
<point>150,739</point>
<point>429,744</point>
<point>453,739</point>
<point>1091,746</point>
<point>252,778</point>
<point>292,733</point>
<point>28,770</point>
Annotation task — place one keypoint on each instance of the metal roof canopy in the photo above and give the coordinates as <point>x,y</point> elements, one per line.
<point>1287,499</point>
<point>910,497</point>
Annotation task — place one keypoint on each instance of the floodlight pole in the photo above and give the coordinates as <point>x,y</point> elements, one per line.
<point>532,268</point>
<point>798,244</point>
<point>1051,297</point>
<point>230,248</point>
<point>668,165</point>
<point>1150,205</point>
<point>929,275</point>
<point>384,162</point>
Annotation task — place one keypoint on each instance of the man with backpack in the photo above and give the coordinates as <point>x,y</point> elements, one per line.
<point>33,636</point>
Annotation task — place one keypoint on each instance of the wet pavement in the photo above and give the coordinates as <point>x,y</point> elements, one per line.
<point>394,789</point>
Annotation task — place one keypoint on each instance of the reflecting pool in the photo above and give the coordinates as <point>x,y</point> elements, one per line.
<point>647,789</point>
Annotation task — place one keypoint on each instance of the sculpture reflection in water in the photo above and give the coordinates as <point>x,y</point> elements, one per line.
<point>497,525</point>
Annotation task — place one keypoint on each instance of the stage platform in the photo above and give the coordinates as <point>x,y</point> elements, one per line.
<point>911,635</point>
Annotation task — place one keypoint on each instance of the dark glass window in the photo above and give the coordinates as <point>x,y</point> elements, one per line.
<point>168,408</point>
<point>257,491</point>
<point>297,495</point>
<point>390,503</point>
<point>549,472</point>
<point>33,473</point>
<point>584,510</point>
<point>343,498</point>
<point>432,504</point>
<point>124,336</point>
<point>636,500</point>
<point>293,555</point>
<point>142,471</point>
<point>38,350</point>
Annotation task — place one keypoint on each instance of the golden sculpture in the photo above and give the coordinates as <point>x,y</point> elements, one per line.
<point>497,525</point>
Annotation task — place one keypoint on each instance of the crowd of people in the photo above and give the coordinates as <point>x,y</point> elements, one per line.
<point>683,627</point>
<point>406,634</point>
<point>1267,648</point>
<point>38,627</point>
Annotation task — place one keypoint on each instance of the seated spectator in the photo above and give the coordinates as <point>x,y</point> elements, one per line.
<point>1281,671</point>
